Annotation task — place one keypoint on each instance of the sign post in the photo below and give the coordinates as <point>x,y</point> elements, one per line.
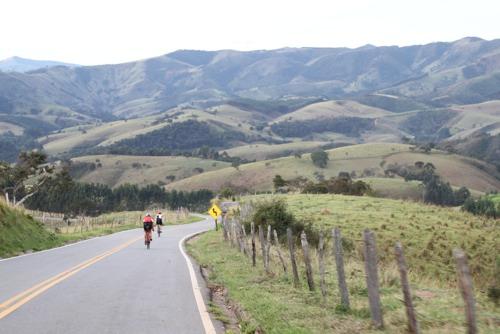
<point>215,212</point>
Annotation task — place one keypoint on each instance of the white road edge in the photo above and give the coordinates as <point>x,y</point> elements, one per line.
<point>202,309</point>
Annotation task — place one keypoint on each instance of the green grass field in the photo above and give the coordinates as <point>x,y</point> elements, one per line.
<point>428,234</point>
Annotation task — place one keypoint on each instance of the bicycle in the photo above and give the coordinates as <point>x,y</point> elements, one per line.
<point>158,229</point>
<point>147,238</point>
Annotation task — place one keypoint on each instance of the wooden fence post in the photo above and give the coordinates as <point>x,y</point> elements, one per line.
<point>277,244</point>
<point>410,310</point>
<point>231,233</point>
<point>321,257</point>
<point>465,285</point>
<point>268,246</point>
<point>240,238</point>
<point>339,263</point>
<point>372,283</point>
<point>252,231</point>
<point>291,248</point>
<point>263,247</point>
<point>224,228</point>
<point>245,240</point>
<point>307,260</point>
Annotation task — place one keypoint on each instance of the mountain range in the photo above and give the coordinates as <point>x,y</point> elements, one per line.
<point>434,92</point>
<point>18,64</point>
<point>437,74</point>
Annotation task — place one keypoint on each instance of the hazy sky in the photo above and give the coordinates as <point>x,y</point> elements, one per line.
<point>110,31</point>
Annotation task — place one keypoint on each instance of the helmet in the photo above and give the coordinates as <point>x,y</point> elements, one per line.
<point>148,214</point>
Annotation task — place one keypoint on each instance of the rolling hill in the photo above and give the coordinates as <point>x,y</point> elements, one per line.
<point>366,160</point>
<point>115,170</point>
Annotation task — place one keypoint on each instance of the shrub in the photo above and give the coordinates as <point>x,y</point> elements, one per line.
<point>278,182</point>
<point>227,193</point>
<point>319,158</point>
<point>275,212</point>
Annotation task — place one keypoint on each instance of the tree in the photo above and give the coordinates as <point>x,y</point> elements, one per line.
<point>320,158</point>
<point>227,193</point>
<point>235,164</point>
<point>278,182</point>
<point>21,181</point>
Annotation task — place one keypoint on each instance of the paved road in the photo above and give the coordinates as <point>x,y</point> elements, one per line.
<point>110,284</point>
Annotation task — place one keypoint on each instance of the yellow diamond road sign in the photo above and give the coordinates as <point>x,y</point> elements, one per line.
<point>214,211</point>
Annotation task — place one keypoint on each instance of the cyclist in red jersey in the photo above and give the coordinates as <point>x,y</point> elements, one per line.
<point>148,228</point>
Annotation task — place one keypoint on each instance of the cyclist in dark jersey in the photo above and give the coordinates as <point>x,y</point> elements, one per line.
<point>159,222</point>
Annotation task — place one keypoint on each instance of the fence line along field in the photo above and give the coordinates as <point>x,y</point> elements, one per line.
<point>387,278</point>
<point>106,223</point>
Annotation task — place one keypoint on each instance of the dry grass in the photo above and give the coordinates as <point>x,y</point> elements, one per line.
<point>119,169</point>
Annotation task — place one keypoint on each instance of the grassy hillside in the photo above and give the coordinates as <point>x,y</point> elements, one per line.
<point>114,170</point>
<point>473,117</point>
<point>20,233</point>
<point>268,151</point>
<point>223,118</point>
<point>96,135</point>
<point>364,160</point>
<point>429,232</point>
<point>428,235</point>
<point>332,109</point>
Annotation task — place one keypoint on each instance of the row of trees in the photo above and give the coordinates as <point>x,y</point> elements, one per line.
<point>483,206</point>
<point>342,184</point>
<point>349,126</point>
<point>436,191</point>
<point>62,194</point>
<point>32,182</point>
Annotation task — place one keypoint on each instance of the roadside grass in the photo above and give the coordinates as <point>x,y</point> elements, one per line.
<point>116,222</point>
<point>20,233</point>
<point>277,307</point>
<point>96,232</point>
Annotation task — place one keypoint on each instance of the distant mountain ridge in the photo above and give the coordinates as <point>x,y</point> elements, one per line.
<point>396,79</point>
<point>18,64</point>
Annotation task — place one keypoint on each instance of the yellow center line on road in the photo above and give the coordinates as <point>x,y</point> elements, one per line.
<point>22,298</point>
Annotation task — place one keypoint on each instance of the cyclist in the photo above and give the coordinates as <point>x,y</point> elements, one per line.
<point>148,227</point>
<point>159,222</point>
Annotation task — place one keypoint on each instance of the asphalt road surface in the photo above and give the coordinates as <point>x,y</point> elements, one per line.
<point>111,284</point>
